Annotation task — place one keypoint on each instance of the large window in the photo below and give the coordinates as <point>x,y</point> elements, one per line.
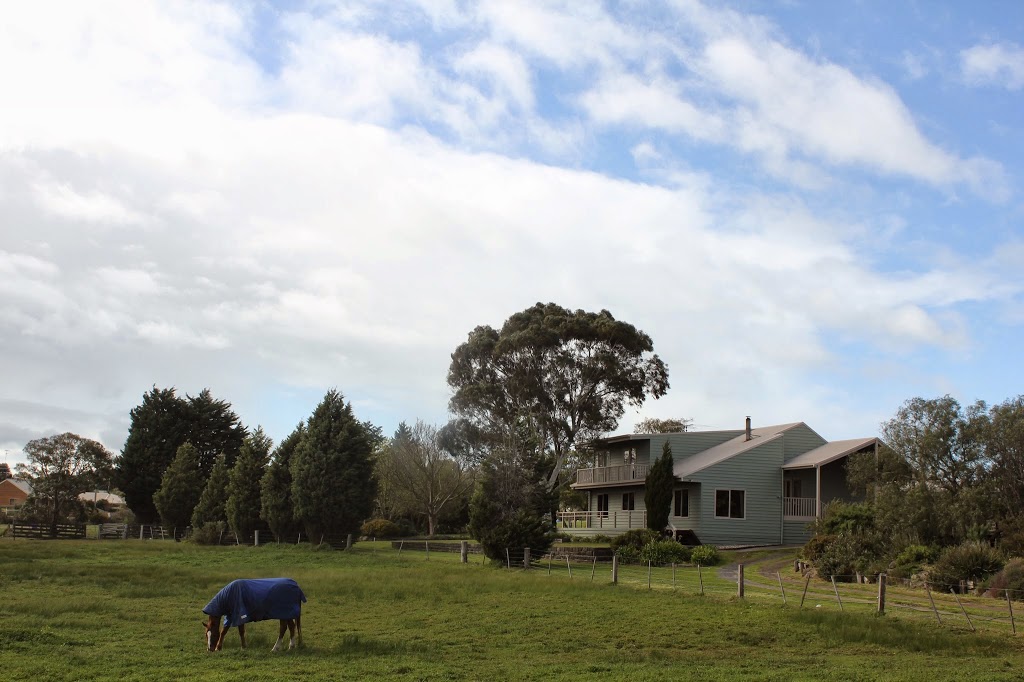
<point>602,505</point>
<point>681,503</point>
<point>730,504</point>
<point>628,502</point>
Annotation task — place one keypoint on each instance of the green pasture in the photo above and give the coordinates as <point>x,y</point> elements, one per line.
<point>130,610</point>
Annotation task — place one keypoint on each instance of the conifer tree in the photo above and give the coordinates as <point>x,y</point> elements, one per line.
<point>332,473</point>
<point>658,490</point>
<point>243,504</point>
<point>211,507</point>
<point>276,488</point>
<point>180,488</point>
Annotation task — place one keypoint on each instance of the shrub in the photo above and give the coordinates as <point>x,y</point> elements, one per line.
<point>839,559</point>
<point>405,527</point>
<point>1010,578</point>
<point>665,552</point>
<point>208,533</point>
<point>846,517</point>
<point>601,538</point>
<point>973,561</point>
<point>628,554</point>
<point>380,528</point>
<point>915,555</point>
<point>635,538</point>
<point>815,547</point>
<point>705,555</point>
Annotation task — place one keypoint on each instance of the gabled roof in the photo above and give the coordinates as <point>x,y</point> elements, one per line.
<point>829,452</point>
<point>101,496</point>
<point>730,448</point>
<point>21,484</point>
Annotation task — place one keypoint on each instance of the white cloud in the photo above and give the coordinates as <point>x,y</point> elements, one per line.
<point>997,64</point>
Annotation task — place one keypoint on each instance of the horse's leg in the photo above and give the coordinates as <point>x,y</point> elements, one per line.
<point>298,630</point>
<point>241,633</point>
<point>280,634</point>
<point>291,633</point>
<point>221,636</point>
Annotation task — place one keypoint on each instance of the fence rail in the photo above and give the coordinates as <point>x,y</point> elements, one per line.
<point>37,531</point>
<point>613,474</point>
<point>602,520</point>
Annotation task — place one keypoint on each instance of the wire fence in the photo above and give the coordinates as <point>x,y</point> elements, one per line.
<point>997,610</point>
<point>948,605</point>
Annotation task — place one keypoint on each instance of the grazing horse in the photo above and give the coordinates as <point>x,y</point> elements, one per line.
<point>248,601</point>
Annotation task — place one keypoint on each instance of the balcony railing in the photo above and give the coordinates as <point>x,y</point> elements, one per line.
<point>627,472</point>
<point>609,520</point>
<point>801,507</point>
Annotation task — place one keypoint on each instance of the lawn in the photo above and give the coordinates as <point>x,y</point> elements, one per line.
<point>130,610</point>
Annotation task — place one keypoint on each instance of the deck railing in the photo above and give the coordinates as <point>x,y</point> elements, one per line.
<point>627,472</point>
<point>800,507</point>
<point>593,520</point>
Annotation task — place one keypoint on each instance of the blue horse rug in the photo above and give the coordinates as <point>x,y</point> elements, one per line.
<point>247,601</point>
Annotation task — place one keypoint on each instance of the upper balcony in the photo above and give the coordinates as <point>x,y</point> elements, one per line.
<point>626,473</point>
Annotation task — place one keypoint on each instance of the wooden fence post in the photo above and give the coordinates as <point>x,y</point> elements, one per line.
<point>426,543</point>
<point>464,551</point>
<point>1009,605</point>
<point>673,576</point>
<point>648,574</point>
<point>836,589</point>
<point>508,560</point>
<point>927,587</point>
<point>615,569</point>
<point>567,566</point>
<point>957,597</point>
<point>526,557</point>
<point>739,580</point>
<point>783,588</point>
<point>804,596</point>
<point>256,539</point>
<point>348,541</point>
<point>594,569</point>
<point>882,577</point>
<point>700,578</point>
<point>401,544</point>
<point>796,565</point>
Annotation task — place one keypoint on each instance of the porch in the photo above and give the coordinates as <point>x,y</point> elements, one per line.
<point>799,508</point>
<point>614,474</point>
<point>603,522</point>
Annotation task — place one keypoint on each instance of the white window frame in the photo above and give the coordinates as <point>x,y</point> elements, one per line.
<point>731,491</point>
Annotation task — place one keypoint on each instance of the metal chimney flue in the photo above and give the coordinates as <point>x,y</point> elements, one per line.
<point>748,428</point>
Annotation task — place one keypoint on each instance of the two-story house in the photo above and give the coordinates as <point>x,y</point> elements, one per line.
<point>751,486</point>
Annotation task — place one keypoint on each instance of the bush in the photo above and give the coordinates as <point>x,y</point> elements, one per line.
<point>846,517</point>
<point>815,547</point>
<point>635,538</point>
<point>406,528</point>
<point>973,561</point>
<point>380,528</point>
<point>840,558</point>
<point>705,555</point>
<point>208,533</point>
<point>628,554</point>
<point>915,555</point>
<point>665,552</point>
<point>1010,578</point>
<point>601,538</point>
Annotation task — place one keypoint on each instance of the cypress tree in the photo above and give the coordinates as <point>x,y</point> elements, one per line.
<point>211,503</point>
<point>243,504</point>
<point>332,473</point>
<point>180,488</point>
<point>276,487</point>
<point>658,490</point>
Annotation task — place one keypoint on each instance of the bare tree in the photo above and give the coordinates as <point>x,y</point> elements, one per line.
<point>423,476</point>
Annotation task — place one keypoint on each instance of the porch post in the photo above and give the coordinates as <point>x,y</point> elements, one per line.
<point>817,492</point>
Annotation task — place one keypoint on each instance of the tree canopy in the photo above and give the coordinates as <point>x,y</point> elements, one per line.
<point>159,426</point>
<point>332,472</point>
<point>557,374</point>
<point>59,468</point>
<point>670,425</point>
<point>276,487</point>
<point>243,504</point>
<point>211,506</point>
<point>658,490</point>
<point>181,486</point>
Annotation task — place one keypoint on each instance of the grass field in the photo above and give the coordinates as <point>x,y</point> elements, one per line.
<point>130,610</point>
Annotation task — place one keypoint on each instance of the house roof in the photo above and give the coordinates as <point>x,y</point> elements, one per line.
<point>101,496</point>
<point>730,448</point>
<point>829,452</point>
<point>21,484</point>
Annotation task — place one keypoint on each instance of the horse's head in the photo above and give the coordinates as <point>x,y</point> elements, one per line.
<point>212,628</point>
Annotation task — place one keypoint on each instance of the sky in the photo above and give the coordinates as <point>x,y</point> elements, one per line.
<point>815,210</point>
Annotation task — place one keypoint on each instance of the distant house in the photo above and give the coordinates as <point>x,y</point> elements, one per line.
<point>13,493</point>
<point>760,486</point>
<point>102,498</point>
